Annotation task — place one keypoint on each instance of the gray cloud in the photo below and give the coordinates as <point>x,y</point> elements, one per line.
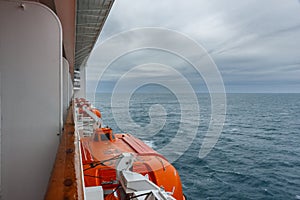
<point>251,41</point>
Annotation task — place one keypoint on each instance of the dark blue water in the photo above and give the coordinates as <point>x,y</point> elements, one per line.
<point>256,157</point>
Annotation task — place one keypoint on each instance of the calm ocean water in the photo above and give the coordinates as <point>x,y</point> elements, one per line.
<point>256,157</point>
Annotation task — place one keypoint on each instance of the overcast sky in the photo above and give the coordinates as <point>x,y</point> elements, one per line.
<point>255,44</point>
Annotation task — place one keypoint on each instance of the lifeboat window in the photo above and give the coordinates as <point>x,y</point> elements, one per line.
<point>96,138</point>
<point>105,137</point>
<point>113,136</point>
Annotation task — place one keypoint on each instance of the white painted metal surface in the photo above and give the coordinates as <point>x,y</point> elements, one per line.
<point>97,121</point>
<point>94,193</point>
<point>135,182</point>
<point>66,79</point>
<point>30,64</point>
<point>141,187</point>
<point>124,163</point>
<point>70,88</point>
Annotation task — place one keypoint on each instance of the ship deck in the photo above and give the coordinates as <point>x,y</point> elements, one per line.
<point>66,181</point>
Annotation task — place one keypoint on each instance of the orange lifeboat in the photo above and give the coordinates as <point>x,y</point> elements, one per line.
<point>101,151</point>
<point>96,112</point>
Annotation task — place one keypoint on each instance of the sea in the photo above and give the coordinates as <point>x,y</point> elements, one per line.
<point>257,155</point>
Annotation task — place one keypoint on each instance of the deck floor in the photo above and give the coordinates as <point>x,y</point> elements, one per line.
<point>66,178</point>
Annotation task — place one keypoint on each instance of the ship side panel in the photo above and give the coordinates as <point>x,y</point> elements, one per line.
<point>30,65</point>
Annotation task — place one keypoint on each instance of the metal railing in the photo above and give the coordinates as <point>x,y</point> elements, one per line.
<point>85,120</point>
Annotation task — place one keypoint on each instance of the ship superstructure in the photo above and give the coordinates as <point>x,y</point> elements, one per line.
<point>42,43</point>
<point>44,46</point>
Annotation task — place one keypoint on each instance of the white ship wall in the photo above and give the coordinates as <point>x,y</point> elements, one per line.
<point>31,99</point>
<point>67,88</point>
